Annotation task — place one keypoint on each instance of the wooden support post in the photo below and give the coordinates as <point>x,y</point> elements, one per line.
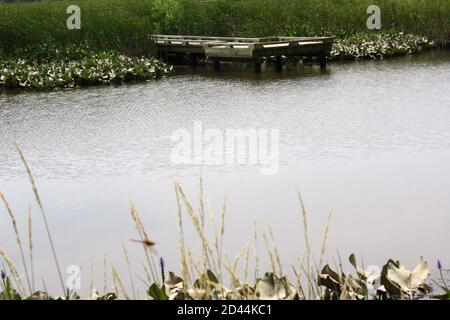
<point>279,62</point>
<point>323,61</point>
<point>216,64</point>
<point>257,66</point>
<point>193,60</point>
<point>180,58</point>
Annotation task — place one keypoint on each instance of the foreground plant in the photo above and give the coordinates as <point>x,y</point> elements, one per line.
<point>443,285</point>
<point>202,276</point>
<point>396,283</point>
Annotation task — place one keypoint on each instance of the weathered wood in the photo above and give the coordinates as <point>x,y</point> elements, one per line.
<point>244,49</point>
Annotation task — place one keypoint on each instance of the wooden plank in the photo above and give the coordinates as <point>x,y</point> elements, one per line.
<point>207,38</point>
<point>300,50</point>
<point>224,52</point>
<point>236,39</point>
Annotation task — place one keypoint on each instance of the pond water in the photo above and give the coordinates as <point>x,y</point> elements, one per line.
<point>369,139</point>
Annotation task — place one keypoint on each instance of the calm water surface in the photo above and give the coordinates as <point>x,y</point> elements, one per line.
<point>370,139</point>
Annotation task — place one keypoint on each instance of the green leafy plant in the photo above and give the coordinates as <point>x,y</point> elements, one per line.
<point>49,67</point>
<point>443,286</point>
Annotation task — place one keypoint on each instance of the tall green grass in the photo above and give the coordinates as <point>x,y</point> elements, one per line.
<point>126,24</point>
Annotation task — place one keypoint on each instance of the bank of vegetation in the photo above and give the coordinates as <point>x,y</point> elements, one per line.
<point>114,36</point>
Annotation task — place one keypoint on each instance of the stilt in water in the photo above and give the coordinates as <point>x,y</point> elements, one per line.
<point>279,62</point>
<point>257,66</point>
<point>216,64</point>
<point>323,61</point>
<point>193,60</point>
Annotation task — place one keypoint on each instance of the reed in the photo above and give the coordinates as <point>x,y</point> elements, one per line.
<point>18,240</point>
<point>307,248</point>
<point>13,270</point>
<point>183,256</point>
<point>130,272</point>
<point>30,247</point>
<point>126,24</point>
<point>43,214</point>
<point>91,276</point>
<point>255,249</point>
<point>147,244</point>
<point>118,283</point>
<point>323,243</point>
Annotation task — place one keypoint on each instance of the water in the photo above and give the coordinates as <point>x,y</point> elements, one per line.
<point>369,139</point>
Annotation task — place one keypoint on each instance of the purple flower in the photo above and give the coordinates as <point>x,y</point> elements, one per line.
<point>3,274</point>
<point>162,264</point>
<point>439,264</point>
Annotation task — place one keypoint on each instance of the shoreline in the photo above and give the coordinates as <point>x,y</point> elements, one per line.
<point>52,67</point>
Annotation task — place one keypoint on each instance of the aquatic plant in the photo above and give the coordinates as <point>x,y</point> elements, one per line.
<point>399,283</point>
<point>378,46</point>
<point>50,67</point>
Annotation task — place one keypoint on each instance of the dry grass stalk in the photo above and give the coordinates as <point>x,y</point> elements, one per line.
<point>44,216</point>
<point>222,231</point>
<point>147,274</point>
<point>13,270</point>
<point>18,240</point>
<point>201,202</point>
<point>271,255</point>
<point>306,239</point>
<point>193,265</point>
<point>234,277</point>
<point>275,251</point>
<point>183,262</point>
<point>91,275</point>
<point>127,260</point>
<point>237,257</point>
<point>246,265</point>
<point>207,252</point>
<point>298,276</point>
<point>105,275</point>
<point>144,239</point>
<point>117,279</point>
<point>255,248</point>
<point>325,237</point>
<point>30,246</point>
<point>216,242</point>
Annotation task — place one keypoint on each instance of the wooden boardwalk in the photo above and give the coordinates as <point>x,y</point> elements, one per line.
<point>256,50</point>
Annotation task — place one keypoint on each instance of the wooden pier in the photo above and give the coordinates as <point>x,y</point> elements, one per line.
<point>255,50</point>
